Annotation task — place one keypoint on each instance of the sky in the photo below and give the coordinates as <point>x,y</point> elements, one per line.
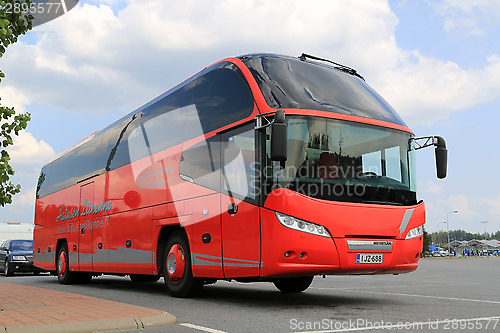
<point>437,62</point>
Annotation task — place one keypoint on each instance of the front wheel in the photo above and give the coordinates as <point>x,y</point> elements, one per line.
<point>177,269</point>
<point>7,269</point>
<point>293,285</point>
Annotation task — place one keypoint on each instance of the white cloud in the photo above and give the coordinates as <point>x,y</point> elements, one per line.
<point>491,206</point>
<point>429,187</point>
<point>97,59</point>
<point>27,150</point>
<point>425,89</point>
<point>13,98</point>
<point>26,198</point>
<point>468,15</point>
<point>93,59</point>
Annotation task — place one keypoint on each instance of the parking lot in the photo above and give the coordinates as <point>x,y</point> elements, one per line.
<point>442,295</point>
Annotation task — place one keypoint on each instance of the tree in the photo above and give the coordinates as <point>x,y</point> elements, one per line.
<point>427,241</point>
<point>14,21</point>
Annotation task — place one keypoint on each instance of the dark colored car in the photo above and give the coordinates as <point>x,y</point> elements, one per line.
<point>17,256</point>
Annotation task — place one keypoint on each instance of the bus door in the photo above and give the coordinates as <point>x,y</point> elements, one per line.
<point>239,210</point>
<point>85,248</point>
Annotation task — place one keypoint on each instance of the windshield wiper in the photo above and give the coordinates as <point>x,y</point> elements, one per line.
<point>338,66</point>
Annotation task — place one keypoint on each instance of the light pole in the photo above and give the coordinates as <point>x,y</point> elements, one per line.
<point>439,230</point>
<point>448,229</point>
<point>484,224</point>
<point>485,235</point>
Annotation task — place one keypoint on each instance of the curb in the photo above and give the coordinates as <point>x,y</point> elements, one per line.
<point>161,320</point>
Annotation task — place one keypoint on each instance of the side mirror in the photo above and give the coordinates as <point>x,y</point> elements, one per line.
<point>441,157</point>
<point>279,137</point>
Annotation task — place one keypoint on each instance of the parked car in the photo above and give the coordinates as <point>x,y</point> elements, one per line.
<point>17,256</point>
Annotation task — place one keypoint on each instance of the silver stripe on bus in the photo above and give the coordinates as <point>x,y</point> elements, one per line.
<point>84,258</point>
<point>130,256</point>
<point>203,260</point>
<point>101,257</point>
<point>44,256</point>
<point>361,245</point>
<point>405,221</point>
<point>119,256</point>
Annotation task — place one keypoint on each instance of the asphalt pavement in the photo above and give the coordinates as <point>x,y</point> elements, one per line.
<point>443,295</point>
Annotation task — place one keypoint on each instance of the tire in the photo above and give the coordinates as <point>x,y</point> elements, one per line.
<point>7,268</point>
<point>139,278</point>
<point>293,285</point>
<point>177,269</point>
<point>64,275</point>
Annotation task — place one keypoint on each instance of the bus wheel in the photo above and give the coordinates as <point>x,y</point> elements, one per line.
<point>177,270</point>
<point>293,285</point>
<point>64,275</point>
<point>144,278</point>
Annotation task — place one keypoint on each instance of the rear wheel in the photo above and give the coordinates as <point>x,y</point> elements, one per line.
<point>7,269</point>
<point>177,269</point>
<point>64,275</point>
<point>293,285</point>
<point>144,278</point>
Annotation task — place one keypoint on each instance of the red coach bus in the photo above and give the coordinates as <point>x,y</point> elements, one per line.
<point>258,168</point>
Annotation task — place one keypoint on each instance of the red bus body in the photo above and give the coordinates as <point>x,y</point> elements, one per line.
<point>118,219</point>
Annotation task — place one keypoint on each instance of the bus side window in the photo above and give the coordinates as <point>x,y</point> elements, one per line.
<point>201,163</point>
<point>239,168</point>
<point>222,98</point>
<point>166,123</point>
<point>114,144</point>
<point>43,182</point>
<point>67,170</point>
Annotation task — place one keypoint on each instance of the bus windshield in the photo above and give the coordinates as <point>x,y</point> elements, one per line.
<point>344,161</point>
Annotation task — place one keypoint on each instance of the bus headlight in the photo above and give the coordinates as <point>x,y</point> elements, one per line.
<point>300,225</point>
<point>415,232</point>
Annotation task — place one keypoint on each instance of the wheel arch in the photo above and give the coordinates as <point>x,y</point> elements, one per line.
<point>59,244</point>
<point>165,233</point>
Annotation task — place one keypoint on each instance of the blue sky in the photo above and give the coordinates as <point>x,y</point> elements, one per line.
<point>436,62</point>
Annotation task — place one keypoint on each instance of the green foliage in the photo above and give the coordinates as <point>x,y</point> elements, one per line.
<point>12,25</point>
<point>427,241</point>
<point>461,235</point>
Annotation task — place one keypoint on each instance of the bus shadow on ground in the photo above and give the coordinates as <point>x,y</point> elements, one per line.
<point>260,295</point>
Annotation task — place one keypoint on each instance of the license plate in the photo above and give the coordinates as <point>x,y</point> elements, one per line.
<point>363,258</point>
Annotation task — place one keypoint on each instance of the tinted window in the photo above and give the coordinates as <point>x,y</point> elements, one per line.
<point>221,98</point>
<point>201,163</point>
<point>290,83</point>
<point>164,123</point>
<point>72,167</point>
<point>238,159</point>
<point>216,99</point>
<point>42,184</point>
<point>114,144</point>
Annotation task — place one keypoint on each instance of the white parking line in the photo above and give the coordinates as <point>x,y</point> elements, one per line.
<point>201,328</point>
<point>412,295</point>
<point>396,286</point>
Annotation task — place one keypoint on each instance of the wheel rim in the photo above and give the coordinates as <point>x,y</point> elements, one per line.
<point>6,268</point>
<point>62,264</point>
<point>176,264</point>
